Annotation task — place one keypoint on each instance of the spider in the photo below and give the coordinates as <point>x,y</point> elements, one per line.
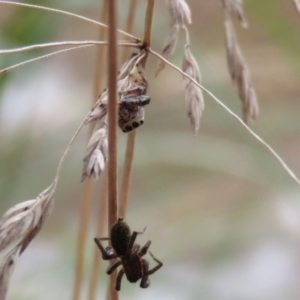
<point>131,111</point>
<point>128,254</point>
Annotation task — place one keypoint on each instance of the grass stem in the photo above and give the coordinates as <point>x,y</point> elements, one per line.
<point>112,126</point>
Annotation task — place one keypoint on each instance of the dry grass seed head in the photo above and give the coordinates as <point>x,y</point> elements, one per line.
<point>135,80</point>
<point>193,94</point>
<point>235,9</point>
<point>21,223</point>
<point>18,226</point>
<point>169,47</point>
<point>180,12</point>
<point>129,64</point>
<point>240,75</point>
<point>96,154</point>
<point>99,110</point>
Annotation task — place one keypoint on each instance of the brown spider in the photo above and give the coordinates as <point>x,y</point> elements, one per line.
<point>128,254</point>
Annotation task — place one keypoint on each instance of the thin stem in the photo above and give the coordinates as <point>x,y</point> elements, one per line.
<point>112,126</point>
<point>255,135</point>
<point>148,27</point>
<point>129,25</point>
<point>3,71</point>
<point>112,114</point>
<point>62,160</point>
<point>85,209</point>
<point>102,215</point>
<point>68,14</point>
<point>66,43</point>
<point>127,173</point>
<point>131,136</point>
<point>101,221</point>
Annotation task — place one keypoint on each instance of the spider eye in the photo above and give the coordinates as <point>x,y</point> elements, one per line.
<point>135,124</point>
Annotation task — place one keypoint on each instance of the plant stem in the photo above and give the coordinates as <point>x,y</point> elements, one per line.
<point>101,221</point>
<point>102,215</point>
<point>131,136</point>
<point>112,126</point>
<point>148,28</point>
<point>85,209</point>
<point>112,114</point>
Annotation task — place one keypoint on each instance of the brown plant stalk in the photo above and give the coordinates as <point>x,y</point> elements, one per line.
<point>101,222</point>
<point>86,201</point>
<point>132,135</point>
<point>102,214</point>
<point>112,126</point>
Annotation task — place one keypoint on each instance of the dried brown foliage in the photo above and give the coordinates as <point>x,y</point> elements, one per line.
<point>235,8</point>
<point>169,46</point>
<point>193,94</point>
<point>96,154</point>
<point>240,75</point>
<point>18,226</point>
<point>180,17</point>
<point>180,12</point>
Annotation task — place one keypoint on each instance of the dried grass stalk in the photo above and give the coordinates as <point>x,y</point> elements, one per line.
<point>180,12</point>
<point>96,154</point>
<point>99,110</point>
<point>240,75</point>
<point>18,226</point>
<point>234,7</point>
<point>132,76</point>
<point>180,17</point>
<point>297,4</point>
<point>169,47</point>
<point>193,94</point>
<point>128,65</point>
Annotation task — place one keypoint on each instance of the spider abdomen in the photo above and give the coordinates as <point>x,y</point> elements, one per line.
<point>133,268</point>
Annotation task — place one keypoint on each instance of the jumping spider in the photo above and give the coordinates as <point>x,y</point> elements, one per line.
<point>128,254</point>
<point>131,110</point>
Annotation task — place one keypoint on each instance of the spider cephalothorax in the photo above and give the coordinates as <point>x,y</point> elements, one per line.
<point>128,254</point>
<point>131,111</point>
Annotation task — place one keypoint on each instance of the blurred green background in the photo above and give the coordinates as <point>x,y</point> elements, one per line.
<point>221,212</point>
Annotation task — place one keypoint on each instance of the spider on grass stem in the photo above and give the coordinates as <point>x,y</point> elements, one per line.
<point>128,254</point>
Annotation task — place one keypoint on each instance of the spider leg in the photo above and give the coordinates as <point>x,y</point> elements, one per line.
<point>107,253</point>
<point>133,238</point>
<point>113,266</point>
<point>160,264</point>
<point>145,282</point>
<point>145,248</point>
<point>119,279</point>
<point>135,248</point>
